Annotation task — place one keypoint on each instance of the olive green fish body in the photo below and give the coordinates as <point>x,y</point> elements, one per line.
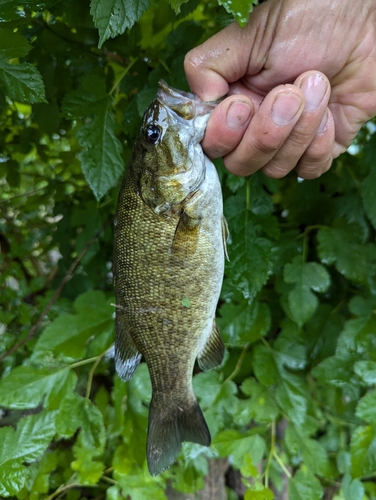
<point>168,266</point>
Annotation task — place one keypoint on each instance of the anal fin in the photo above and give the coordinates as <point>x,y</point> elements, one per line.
<point>127,356</point>
<point>213,351</point>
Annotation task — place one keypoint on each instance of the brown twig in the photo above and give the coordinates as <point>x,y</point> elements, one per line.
<point>55,296</point>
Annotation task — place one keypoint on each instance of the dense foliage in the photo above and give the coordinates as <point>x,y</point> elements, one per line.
<point>292,408</point>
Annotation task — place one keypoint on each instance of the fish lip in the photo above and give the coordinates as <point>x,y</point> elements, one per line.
<point>185,104</point>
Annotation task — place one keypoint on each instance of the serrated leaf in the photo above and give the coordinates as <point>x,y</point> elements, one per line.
<point>79,103</point>
<point>259,494</point>
<point>358,336</point>
<point>12,478</point>
<point>366,370</point>
<point>304,486</point>
<point>261,406</point>
<point>312,452</point>
<point>366,408</point>
<point>88,471</point>
<point>243,322</point>
<point>22,82</point>
<point>363,451</point>
<point>24,445</point>
<point>26,387</point>
<point>67,336</point>
<point>291,395</point>
<point>113,17</point>
<point>176,4</point>
<point>101,157</point>
<point>217,399</point>
<point>13,45</point>
<point>237,446</point>
<point>306,277</point>
<point>139,486</point>
<point>265,366</point>
<point>240,9</point>
<point>93,433</point>
<point>343,246</point>
<point>352,489</point>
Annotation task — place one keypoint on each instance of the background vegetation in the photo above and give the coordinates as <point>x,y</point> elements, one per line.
<point>292,409</point>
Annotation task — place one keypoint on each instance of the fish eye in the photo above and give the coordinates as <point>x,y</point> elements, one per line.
<point>152,134</point>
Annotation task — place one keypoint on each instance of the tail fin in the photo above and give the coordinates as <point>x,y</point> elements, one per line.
<point>168,428</point>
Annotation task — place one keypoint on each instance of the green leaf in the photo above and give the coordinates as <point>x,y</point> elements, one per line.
<point>139,486</point>
<point>101,157</point>
<point>243,322</point>
<point>88,471</point>
<point>306,277</point>
<point>366,370</point>
<point>357,336</point>
<point>265,366</point>
<point>22,82</point>
<point>12,478</point>
<point>261,406</point>
<point>176,4</point>
<point>26,387</point>
<point>113,17</point>
<point>24,445</point>
<point>259,494</point>
<point>366,408</point>
<point>363,451</point>
<point>343,245</point>
<point>240,9</point>
<point>93,433</point>
<point>67,336</point>
<point>237,446</point>
<point>305,486</point>
<point>12,45</point>
<point>312,452</point>
<point>291,395</point>
<point>352,489</point>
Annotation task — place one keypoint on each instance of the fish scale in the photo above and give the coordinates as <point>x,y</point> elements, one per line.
<point>168,266</point>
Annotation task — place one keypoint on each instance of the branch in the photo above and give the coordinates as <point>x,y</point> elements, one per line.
<point>55,296</point>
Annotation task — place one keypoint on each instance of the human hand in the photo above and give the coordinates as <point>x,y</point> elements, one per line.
<point>301,79</point>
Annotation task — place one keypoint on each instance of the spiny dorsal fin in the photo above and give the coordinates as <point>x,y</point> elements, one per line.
<point>213,351</point>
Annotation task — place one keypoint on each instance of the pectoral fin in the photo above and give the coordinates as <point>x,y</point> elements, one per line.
<point>225,235</point>
<point>127,357</point>
<point>186,236</point>
<point>213,351</point>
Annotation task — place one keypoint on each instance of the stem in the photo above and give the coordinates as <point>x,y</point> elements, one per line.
<point>91,374</point>
<point>109,480</point>
<point>281,464</point>
<point>126,70</point>
<point>238,364</point>
<point>61,489</point>
<point>272,450</point>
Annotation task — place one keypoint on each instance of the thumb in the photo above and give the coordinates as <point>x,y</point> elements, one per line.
<point>222,59</point>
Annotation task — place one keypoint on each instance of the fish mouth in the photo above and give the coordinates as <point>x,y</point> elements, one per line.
<point>185,104</point>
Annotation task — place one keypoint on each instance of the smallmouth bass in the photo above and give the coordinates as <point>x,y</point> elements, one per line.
<point>169,251</point>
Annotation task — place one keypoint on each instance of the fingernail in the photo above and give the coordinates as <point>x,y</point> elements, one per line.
<point>314,88</point>
<point>322,125</point>
<point>237,114</point>
<point>285,108</point>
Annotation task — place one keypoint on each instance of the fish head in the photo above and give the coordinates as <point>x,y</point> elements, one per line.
<point>170,160</point>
